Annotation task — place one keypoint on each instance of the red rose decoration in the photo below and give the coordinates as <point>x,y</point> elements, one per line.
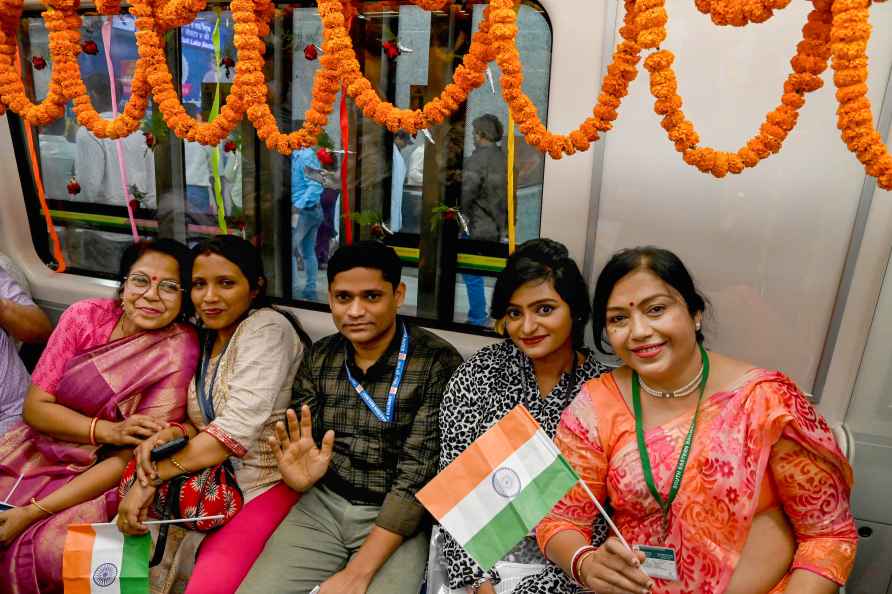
<point>377,230</point>
<point>73,187</point>
<point>150,139</point>
<point>449,215</point>
<point>134,204</point>
<point>310,52</point>
<point>229,147</point>
<point>324,157</point>
<point>391,49</point>
<point>89,47</point>
<point>38,63</point>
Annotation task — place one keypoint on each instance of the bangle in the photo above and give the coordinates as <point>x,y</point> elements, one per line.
<point>40,507</point>
<point>178,465</point>
<point>581,554</point>
<point>93,430</point>
<point>181,427</point>
<point>478,583</point>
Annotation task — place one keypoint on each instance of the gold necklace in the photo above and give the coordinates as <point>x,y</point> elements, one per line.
<point>681,392</point>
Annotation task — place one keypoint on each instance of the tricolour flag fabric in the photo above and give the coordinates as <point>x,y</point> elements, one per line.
<point>99,559</point>
<point>499,488</point>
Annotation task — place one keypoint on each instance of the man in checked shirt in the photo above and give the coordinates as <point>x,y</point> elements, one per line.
<point>377,384</point>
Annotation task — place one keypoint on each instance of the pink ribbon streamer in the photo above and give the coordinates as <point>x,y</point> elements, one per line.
<point>106,41</point>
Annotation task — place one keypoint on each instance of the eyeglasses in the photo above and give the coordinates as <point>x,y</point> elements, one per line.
<point>140,283</point>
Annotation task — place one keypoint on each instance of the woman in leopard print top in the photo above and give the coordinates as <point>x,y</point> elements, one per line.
<point>541,301</point>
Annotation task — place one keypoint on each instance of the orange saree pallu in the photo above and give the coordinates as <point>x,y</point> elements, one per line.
<point>762,433</point>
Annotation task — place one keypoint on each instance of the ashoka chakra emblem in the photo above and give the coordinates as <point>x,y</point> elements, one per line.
<point>506,482</point>
<point>105,574</point>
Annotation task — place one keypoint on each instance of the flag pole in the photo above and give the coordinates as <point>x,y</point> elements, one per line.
<point>173,521</point>
<point>604,514</point>
<point>181,520</point>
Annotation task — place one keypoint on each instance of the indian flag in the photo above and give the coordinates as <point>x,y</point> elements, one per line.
<point>498,489</point>
<point>99,559</point>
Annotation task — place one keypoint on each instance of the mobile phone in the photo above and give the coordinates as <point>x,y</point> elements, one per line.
<point>168,449</point>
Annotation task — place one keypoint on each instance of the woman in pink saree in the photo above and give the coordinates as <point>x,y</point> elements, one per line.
<point>114,372</point>
<point>724,471</point>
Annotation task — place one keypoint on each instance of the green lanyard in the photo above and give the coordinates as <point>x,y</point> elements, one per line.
<point>665,504</point>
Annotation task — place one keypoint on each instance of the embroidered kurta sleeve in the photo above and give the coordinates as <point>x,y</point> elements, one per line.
<point>261,365</point>
<point>578,440</point>
<point>460,410</point>
<point>815,498</point>
<point>401,512</point>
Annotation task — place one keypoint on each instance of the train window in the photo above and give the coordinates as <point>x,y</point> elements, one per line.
<point>439,197</point>
<point>87,180</point>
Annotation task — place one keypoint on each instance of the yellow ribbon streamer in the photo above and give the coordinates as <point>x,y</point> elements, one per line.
<point>512,230</point>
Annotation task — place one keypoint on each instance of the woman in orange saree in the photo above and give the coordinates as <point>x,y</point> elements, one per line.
<point>723,469</point>
<point>113,370</point>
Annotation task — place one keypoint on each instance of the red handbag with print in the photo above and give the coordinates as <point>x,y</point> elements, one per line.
<point>213,491</point>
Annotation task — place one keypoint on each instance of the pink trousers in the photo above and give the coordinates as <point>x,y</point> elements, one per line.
<point>217,569</point>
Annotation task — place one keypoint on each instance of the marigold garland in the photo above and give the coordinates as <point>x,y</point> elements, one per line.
<point>738,13</point>
<point>339,64</point>
<point>249,84</point>
<point>614,87</point>
<point>840,28</point>
<point>808,64</point>
<point>64,47</point>
<point>851,32</point>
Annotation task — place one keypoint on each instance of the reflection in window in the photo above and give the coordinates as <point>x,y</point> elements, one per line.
<point>402,188</point>
<point>399,185</point>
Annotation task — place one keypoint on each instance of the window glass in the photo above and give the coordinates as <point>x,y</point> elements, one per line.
<point>403,189</point>
<point>401,185</point>
<point>88,181</point>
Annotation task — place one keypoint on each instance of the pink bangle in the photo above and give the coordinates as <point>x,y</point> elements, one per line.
<point>579,556</point>
<point>93,431</point>
<point>181,427</point>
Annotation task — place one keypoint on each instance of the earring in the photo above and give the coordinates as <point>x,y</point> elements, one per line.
<point>697,326</point>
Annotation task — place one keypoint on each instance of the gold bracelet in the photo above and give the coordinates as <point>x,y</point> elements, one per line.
<point>178,465</point>
<point>93,430</point>
<point>40,507</point>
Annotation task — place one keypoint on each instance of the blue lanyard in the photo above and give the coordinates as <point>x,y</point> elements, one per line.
<point>205,402</point>
<point>394,386</point>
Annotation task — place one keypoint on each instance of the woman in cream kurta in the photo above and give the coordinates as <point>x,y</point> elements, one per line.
<point>251,393</point>
<point>250,355</point>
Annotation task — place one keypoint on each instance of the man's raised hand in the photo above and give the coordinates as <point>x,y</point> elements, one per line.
<point>300,461</point>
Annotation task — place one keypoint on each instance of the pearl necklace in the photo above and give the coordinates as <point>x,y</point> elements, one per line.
<point>681,392</point>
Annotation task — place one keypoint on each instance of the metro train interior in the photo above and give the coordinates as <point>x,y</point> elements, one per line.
<point>792,251</point>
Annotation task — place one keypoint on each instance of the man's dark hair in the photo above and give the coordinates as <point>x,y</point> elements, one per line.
<point>366,254</point>
<point>99,91</point>
<point>489,127</point>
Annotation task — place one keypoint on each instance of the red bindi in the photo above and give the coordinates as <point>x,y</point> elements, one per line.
<point>154,278</point>
<point>631,304</point>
